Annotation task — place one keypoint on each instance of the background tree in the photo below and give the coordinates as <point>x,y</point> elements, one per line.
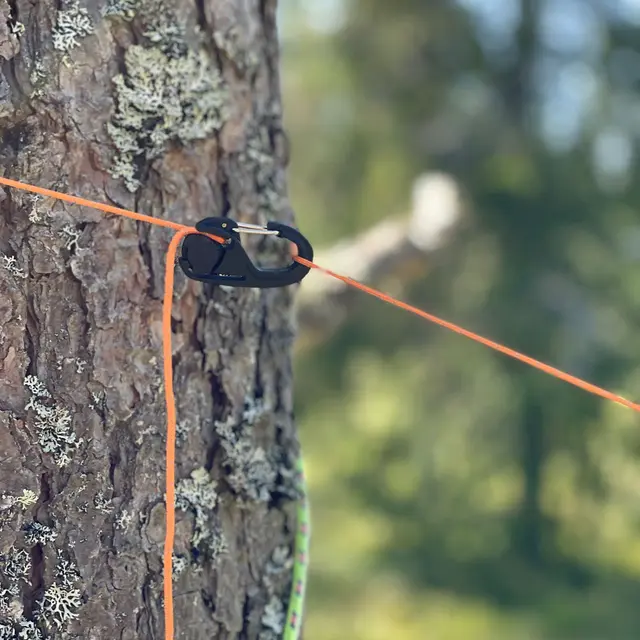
<point>456,493</point>
<point>170,108</point>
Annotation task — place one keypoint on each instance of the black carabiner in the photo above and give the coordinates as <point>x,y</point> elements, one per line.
<point>228,264</point>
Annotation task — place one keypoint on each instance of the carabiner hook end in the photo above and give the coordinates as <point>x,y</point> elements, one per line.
<point>228,264</point>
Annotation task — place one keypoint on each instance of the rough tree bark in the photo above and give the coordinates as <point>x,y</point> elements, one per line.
<point>170,108</point>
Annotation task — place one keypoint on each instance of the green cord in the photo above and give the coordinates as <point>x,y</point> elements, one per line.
<point>293,624</point>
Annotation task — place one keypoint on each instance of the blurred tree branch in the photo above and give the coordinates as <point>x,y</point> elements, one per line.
<point>395,249</point>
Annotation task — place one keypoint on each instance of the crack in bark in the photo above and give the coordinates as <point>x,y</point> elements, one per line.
<point>279,406</point>
<point>207,600</point>
<point>30,333</point>
<point>13,9</point>
<point>147,258</point>
<point>114,461</point>
<point>224,190</point>
<point>145,616</point>
<point>263,337</point>
<point>37,556</point>
<point>268,10</point>
<point>196,339</point>
<point>45,491</point>
<point>14,138</point>
<point>9,72</point>
<point>81,301</point>
<point>32,595</point>
<point>219,400</point>
<point>246,611</point>
<point>202,16</point>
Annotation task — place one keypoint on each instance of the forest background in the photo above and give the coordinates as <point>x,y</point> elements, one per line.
<point>457,494</point>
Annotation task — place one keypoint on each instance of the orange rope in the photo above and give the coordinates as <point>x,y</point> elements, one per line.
<point>171,432</point>
<point>183,230</point>
<point>552,371</point>
<point>106,208</point>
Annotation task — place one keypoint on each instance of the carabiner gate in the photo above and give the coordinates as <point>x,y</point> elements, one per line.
<point>228,264</point>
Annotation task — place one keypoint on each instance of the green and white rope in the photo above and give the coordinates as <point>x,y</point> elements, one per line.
<point>293,625</point>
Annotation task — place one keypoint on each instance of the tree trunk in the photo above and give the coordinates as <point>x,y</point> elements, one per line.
<point>172,109</point>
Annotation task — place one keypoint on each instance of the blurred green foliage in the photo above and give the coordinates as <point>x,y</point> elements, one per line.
<point>457,494</point>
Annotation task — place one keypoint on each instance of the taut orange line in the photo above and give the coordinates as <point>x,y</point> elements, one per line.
<point>552,371</point>
<point>106,208</point>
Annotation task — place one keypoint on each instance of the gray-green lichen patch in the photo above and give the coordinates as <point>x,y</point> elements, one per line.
<point>121,8</point>
<point>162,99</point>
<point>37,387</point>
<point>18,29</point>
<point>9,45</point>
<point>38,533</point>
<point>53,423</point>
<point>274,617</point>
<point>102,503</point>
<point>61,601</point>
<point>27,630</point>
<point>252,472</point>
<point>179,564</point>
<point>273,620</point>
<point>165,29</point>
<point>183,429</point>
<point>10,605</point>
<point>16,564</point>
<point>21,630</point>
<point>11,265</point>
<point>198,494</point>
<point>37,77</point>
<point>59,606</point>
<point>281,562</point>
<point>231,42</point>
<point>27,498</point>
<point>67,574</point>
<point>123,520</point>
<point>15,567</point>
<point>198,491</point>
<point>34,214</point>
<point>71,237</point>
<point>269,178</point>
<point>72,23</point>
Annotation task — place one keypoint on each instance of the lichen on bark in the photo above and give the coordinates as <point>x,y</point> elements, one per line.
<point>162,99</point>
<point>81,309</point>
